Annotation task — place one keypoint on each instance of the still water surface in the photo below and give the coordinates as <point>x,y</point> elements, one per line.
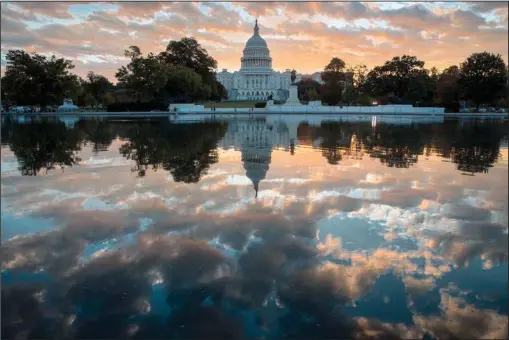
<point>254,228</point>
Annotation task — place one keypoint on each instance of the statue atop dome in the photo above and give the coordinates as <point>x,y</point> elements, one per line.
<point>256,28</point>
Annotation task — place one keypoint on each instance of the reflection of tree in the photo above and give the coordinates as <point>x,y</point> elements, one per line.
<point>98,132</point>
<point>398,145</point>
<point>145,145</point>
<point>43,144</point>
<point>186,151</point>
<point>336,138</point>
<point>188,161</point>
<point>474,146</point>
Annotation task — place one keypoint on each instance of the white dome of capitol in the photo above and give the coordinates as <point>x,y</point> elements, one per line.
<point>256,45</point>
<point>256,41</point>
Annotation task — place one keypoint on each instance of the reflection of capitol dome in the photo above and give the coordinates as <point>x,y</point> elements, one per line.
<point>256,147</point>
<point>256,162</point>
<point>256,139</point>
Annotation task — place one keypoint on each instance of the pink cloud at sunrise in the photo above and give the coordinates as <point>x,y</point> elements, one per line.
<point>300,35</point>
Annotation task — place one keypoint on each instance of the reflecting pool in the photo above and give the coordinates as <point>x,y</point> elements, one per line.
<point>255,228</point>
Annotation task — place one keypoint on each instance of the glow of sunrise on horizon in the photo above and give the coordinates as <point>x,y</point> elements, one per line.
<point>300,35</point>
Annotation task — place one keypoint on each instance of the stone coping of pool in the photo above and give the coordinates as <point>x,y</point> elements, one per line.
<point>254,113</point>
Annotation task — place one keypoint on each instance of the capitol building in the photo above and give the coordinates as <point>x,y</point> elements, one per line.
<point>256,80</point>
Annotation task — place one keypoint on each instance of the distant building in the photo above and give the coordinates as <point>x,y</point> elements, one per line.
<point>256,80</point>
<point>317,76</point>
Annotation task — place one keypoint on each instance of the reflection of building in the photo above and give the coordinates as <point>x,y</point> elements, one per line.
<point>69,121</point>
<point>256,80</point>
<point>256,139</point>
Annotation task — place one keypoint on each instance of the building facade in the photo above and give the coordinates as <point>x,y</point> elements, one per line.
<point>256,80</point>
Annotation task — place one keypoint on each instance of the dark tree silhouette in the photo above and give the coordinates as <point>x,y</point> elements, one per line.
<point>43,144</point>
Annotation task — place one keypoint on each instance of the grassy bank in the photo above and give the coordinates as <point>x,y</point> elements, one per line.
<point>236,104</point>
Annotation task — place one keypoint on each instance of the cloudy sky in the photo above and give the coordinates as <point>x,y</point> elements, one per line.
<point>300,35</point>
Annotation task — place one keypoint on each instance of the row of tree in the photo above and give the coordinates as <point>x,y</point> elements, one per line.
<point>481,79</point>
<point>188,150</point>
<point>185,72</point>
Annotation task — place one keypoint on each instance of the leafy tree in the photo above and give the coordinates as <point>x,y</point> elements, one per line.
<point>334,78</point>
<point>187,52</point>
<point>312,94</point>
<point>359,75</point>
<point>308,89</point>
<point>223,92</point>
<point>97,86</point>
<point>145,76</point>
<point>32,79</point>
<point>89,100</point>
<point>108,99</point>
<point>447,89</point>
<point>405,78</point>
<point>184,84</point>
<point>483,78</point>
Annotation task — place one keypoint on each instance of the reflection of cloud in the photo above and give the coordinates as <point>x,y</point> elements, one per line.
<point>54,252</point>
<point>374,329</point>
<point>488,240</point>
<point>466,212</point>
<point>463,321</point>
<point>268,256</point>
<point>418,286</point>
<point>192,262</point>
<point>406,198</point>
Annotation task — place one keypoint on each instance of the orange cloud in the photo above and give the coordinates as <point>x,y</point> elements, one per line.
<point>305,36</point>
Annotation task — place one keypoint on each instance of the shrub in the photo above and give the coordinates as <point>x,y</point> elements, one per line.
<point>260,105</point>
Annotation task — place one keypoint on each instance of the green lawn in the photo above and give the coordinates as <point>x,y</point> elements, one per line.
<point>237,104</point>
